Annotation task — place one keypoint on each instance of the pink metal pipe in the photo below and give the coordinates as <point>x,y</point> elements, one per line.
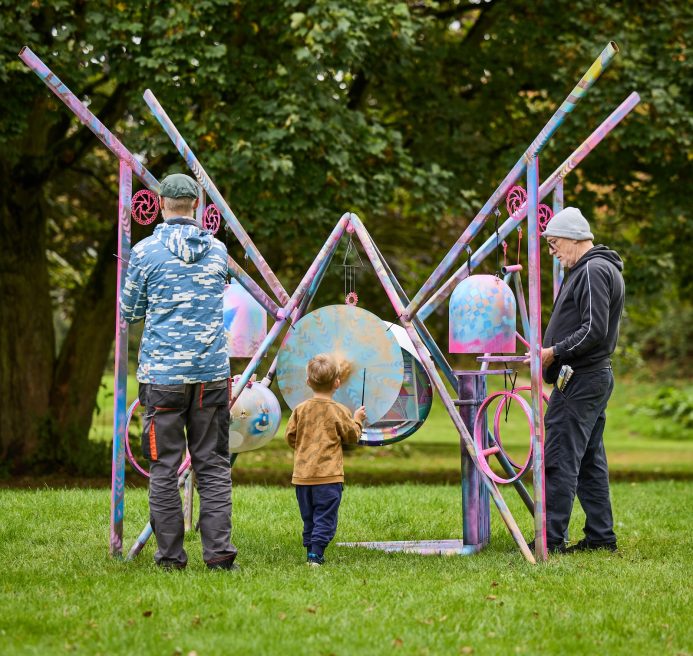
<point>534,259</point>
<point>551,182</point>
<point>511,268</point>
<point>212,191</point>
<point>87,118</point>
<point>585,83</point>
<point>120,368</point>
<point>427,363</point>
<point>237,271</point>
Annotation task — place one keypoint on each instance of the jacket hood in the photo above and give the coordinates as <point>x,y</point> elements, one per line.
<point>602,252</point>
<point>186,242</point>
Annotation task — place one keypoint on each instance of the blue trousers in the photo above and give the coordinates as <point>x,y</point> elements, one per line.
<point>319,505</point>
<point>574,458</point>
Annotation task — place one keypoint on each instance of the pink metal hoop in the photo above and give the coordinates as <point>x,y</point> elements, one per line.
<point>482,453</point>
<point>211,219</point>
<point>145,207</point>
<point>352,298</point>
<point>544,215</point>
<point>516,197</point>
<point>128,451</point>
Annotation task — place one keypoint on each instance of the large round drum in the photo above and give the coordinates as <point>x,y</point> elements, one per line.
<point>255,418</point>
<point>352,334</point>
<point>413,404</point>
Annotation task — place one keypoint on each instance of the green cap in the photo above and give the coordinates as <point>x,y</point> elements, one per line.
<point>179,185</point>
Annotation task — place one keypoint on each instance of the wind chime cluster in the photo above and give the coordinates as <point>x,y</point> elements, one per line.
<point>392,368</point>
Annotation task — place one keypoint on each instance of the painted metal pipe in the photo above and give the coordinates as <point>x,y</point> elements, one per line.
<point>236,271</point>
<point>534,259</point>
<point>437,381</point>
<point>550,183</point>
<point>120,367</point>
<point>104,135</point>
<point>207,184</point>
<point>511,268</point>
<point>520,295</point>
<point>325,252</point>
<point>581,88</point>
<point>558,271</point>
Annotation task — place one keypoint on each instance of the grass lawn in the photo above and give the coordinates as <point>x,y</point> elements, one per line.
<point>60,592</point>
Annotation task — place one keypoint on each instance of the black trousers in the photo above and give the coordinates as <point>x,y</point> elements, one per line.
<point>574,457</point>
<point>319,506</point>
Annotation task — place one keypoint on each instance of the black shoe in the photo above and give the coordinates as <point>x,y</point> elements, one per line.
<point>559,548</point>
<point>586,545</point>
<point>314,559</point>
<point>171,565</point>
<point>227,564</point>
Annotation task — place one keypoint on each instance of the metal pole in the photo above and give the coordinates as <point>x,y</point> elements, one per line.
<point>206,182</point>
<point>120,367</point>
<point>558,271</point>
<point>551,182</point>
<point>437,381</point>
<point>534,258</point>
<point>87,118</point>
<point>582,87</point>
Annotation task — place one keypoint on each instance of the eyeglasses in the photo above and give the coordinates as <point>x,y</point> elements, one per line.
<point>553,244</point>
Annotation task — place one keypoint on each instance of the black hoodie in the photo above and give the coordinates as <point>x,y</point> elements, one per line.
<point>586,315</point>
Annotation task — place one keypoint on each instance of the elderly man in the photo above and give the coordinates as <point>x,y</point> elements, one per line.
<point>175,282</point>
<point>581,334</point>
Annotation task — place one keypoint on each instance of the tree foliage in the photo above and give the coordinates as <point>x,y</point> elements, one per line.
<point>408,113</point>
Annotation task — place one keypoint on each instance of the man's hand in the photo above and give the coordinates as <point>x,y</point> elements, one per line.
<point>547,357</point>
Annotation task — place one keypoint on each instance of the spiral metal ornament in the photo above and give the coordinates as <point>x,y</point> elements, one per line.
<point>352,298</point>
<point>211,219</point>
<point>145,207</point>
<point>544,215</point>
<point>516,197</point>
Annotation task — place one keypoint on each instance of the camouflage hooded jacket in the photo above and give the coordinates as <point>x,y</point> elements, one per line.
<point>175,282</point>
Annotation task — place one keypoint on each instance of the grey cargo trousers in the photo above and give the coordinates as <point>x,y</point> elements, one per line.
<point>201,412</point>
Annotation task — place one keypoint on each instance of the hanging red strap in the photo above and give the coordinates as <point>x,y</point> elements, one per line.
<point>519,243</point>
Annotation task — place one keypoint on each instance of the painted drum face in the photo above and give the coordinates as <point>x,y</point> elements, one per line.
<point>413,404</point>
<point>255,418</point>
<point>482,316</point>
<point>352,334</point>
<point>245,322</point>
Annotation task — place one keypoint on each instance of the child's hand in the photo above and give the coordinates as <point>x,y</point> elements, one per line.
<point>360,414</point>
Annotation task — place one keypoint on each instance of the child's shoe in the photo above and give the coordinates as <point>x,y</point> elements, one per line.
<point>314,560</point>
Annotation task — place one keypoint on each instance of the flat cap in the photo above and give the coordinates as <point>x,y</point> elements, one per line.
<point>179,185</point>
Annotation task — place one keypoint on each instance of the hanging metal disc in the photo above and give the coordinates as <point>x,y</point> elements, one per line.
<point>348,333</point>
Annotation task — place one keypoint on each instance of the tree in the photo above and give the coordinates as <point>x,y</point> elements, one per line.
<point>408,113</point>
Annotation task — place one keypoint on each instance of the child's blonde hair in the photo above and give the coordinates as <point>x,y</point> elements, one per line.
<point>322,372</point>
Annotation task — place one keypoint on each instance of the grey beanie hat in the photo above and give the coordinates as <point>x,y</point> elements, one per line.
<point>570,224</point>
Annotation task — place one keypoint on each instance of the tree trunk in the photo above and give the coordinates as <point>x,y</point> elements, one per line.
<point>27,338</point>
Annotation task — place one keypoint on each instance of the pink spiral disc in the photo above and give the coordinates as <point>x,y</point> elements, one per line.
<point>544,215</point>
<point>211,219</point>
<point>516,197</point>
<point>352,298</point>
<point>145,207</point>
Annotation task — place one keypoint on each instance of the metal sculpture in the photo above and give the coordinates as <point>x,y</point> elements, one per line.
<point>211,219</point>
<point>478,485</point>
<point>145,207</point>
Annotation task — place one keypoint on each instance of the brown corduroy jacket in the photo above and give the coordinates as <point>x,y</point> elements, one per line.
<point>316,431</point>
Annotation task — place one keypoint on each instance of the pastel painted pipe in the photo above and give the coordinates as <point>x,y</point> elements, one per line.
<point>511,268</point>
<point>557,266</point>
<point>512,222</point>
<point>206,182</point>
<point>437,381</point>
<point>87,118</point>
<point>534,265</point>
<point>588,79</point>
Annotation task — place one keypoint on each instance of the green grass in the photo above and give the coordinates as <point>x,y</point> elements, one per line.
<point>60,592</point>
